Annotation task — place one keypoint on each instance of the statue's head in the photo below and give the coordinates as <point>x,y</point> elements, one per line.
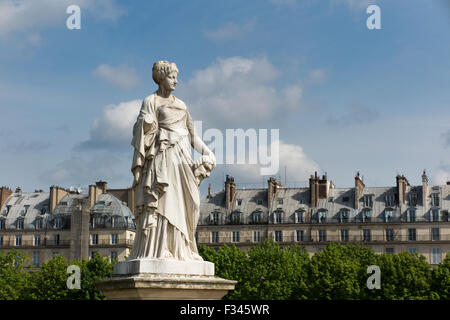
<point>161,69</point>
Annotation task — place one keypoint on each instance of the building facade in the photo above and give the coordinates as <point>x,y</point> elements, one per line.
<point>386,219</point>
<point>66,222</point>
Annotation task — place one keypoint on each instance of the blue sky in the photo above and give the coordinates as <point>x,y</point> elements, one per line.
<point>345,98</point>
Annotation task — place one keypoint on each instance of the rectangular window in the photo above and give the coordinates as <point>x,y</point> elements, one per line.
<point>94,239</point>
<point>239,202</point>
<point>114,238</point>
<point>1,240</point>
<point>390,235</point>
<point>412,234</point>
<point>344,215</point>
<point>215,237</point>
<point>114,222</point>
<point>36,258</point>
<point>20,224</point>
<point>215,218</point>
<point>411,215</point>
<point>322,235</point>
<point>37,240</point>
<point>299,216</point>
<point>259,201</point>
<point>388,214</point>
<point>38,224</point>
<point>412,250</point>
<point>435,234</point>
<point>256,236</point>
<point>435,197</point>
<point>368,202</point>
<point>435,255</point>
<point>113,256</point>
<point>257,217</point>
<point>389,250</point>
<point>413,199</point>
<point>389,200</point>
<point>278,236</point>
<point>367,235</point>
<point>279,217</point>
<point>435,215</point>
<point>18,240</point>
<point>2,224</point>
<point>344,235</point>
<point>280,201</point>
<point>366,215</point>
<point>56,239</point>
<point>300,235</point>
<point>236,236</point>
<point>322,215</point>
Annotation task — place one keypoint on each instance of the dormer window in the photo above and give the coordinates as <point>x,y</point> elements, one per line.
<point>19,224</point>
<point>411,215</point>
<point>344,216</point>
<point>278,217</point>
<point>238,202</point>
<point>435,215</point>
<point>299,216</point>
<point>114,221</point>
<point>322,216</point>
<point>2,224</point>
<point>413,199</point>
<point>24,210</point>
<point>57,222</point>
<point>280,201</point>
<point>257,215</point>
<point>259,202</point>
<point>214,218</point>
<point>389,200</point>
<point>388,215</point>
<point>366,215</point>
<point>345,199</point>
<point>368,200</point>
<point>38,224</point>
<point>435,199</point>
<point>235,218</point>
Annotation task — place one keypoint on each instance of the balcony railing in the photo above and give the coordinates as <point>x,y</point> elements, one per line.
<point>328,238</point>
<point>106,242</point>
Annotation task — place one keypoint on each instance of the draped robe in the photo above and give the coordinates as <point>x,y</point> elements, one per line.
<point>167,196</point>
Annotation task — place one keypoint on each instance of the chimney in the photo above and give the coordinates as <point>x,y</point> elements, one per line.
<point>101,185</point>
<point>324,186</point>
<point>402,184</point>
<point>19,190</point>
<point>314,190</point>
<point>230,189</point>
<point>92,195</point>
<point>5,192</point>
<point>359,186</point>
<point>56,194</point>
<point>424,191</point>
<point>271,191</point>
<point>209,190</point>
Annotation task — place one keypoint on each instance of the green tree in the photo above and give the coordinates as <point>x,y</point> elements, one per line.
<point>14,277</point>
<point>440,280</point>
<point>404,276</point>
<point>334,273</point>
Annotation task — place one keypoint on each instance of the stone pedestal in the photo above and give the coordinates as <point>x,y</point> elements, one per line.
<point>160,279</point>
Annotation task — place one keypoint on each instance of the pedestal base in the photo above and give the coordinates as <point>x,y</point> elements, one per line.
<point>164,279</point>
<point>165,287</point>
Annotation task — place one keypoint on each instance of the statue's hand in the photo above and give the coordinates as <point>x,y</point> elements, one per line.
<point>212,157</point>
<point>137,176</point>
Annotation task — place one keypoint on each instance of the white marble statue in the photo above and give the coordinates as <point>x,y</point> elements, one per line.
<point>166,178</point>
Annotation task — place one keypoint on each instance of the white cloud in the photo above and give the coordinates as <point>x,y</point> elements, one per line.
<point>122,76</point>
<point>230,30</point>
<point>440,176</point>
<point>24,15</point>
<point>113,128</point>
<point>317,76</point>
<point>79,170</point>
<point>237,91</point>
<point>299,166</point>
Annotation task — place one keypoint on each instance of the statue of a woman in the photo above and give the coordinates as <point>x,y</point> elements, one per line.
<point>166,178</point>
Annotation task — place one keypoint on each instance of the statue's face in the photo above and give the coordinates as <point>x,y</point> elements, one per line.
<point>170,82</point>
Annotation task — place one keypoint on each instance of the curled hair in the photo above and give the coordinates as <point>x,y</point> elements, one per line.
<point>161,69</point>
